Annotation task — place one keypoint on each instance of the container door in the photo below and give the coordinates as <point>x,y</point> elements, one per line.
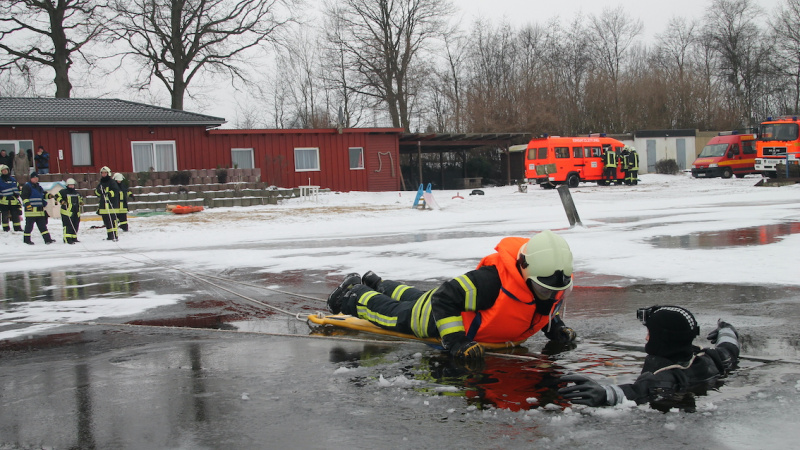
<point>651,155</point>
<point>680,146</point>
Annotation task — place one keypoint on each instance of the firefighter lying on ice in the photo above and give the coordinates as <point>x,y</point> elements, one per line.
<point>673,365</point>
<point>514,293</point>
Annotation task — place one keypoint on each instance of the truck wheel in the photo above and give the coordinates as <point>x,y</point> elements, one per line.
<point>573,180</point>
<point>727,173</point>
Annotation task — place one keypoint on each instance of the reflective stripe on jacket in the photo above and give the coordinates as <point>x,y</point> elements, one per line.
<point>70,201</point>
<point>513,316</point>
<point>9,189</point>
<point>109,197</point>
<point>610,159</point>
<point>33,196</point>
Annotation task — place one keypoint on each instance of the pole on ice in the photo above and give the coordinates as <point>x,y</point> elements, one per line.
<point>569,205</point>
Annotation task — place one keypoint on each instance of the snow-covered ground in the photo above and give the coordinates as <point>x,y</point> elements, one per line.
<point>358,231</point>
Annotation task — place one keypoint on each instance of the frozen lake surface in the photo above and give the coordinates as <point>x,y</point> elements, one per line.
<point>129,345</point>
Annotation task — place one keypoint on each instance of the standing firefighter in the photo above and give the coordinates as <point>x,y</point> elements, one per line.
<point>633,167</point>
<point>71,202</point>
<point>513,294</point>
<point>34,200</point>
<point>10,207</point>
<point>108,191</point>
<point>125,195</point>
<point>610,162</point>
<point>624,158</point>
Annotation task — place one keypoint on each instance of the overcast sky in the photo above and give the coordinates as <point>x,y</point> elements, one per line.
<point>653,14</point>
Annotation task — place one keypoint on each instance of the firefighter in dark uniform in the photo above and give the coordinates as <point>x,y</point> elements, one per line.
<point>610,166</point>
<point>633,169</point>
<point>673,366</point>
<point>624,158</point>
<point>108,192</point>
<point>514,293</point>
<point>71,202</point>
<point>34,200</point>
<point>124,196</point>
<point>10,208</point>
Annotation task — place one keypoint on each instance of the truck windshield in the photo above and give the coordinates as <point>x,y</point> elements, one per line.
<point>713,150</point>
<point>778,132</point>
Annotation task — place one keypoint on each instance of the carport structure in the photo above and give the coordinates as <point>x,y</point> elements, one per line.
<point>419,143</point>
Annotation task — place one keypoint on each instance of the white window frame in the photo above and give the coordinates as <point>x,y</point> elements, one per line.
<point>304,149</point>
<point>14,142</point>
<point>156,167</point>
<point>252,160</point>
<point>360,158</point>
<point>77,151</point>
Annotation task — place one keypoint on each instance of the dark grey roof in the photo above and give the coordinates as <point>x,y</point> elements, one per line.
<point>665,133</point>
<point>94,111</point>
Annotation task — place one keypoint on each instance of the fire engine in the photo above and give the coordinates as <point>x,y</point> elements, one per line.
<point>554,160</point>
<point>778,138</point>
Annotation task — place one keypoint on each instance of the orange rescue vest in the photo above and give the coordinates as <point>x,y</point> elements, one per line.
<point>513,316</point>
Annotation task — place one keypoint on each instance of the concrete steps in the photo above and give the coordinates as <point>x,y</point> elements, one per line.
<point>156,198</point>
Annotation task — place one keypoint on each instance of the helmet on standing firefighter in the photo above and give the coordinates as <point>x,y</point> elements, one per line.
<point>71,182</point>
<point>3,167</point>
<point>106,170</point>
<point>118,177</point>
<point>545,262</point>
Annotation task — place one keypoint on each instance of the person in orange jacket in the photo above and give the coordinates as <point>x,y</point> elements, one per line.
<point>513,294</point>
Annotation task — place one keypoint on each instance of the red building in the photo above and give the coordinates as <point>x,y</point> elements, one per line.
<point>83,135</point>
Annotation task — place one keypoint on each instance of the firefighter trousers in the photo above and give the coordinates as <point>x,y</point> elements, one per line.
<point>393,306</point>
<point>71,225</point>
<point>12,214</point>
<point>110,222</point>
<point>41,223</point>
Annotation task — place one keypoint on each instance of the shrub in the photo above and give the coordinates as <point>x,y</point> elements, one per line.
<point>667,166</point>
<point>181,177</point>
<point>222,176</point>
<point>143,178</point>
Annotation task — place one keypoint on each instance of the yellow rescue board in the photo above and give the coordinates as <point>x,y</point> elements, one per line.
<point>354,323</point>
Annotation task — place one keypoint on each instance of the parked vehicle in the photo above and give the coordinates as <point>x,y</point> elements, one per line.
<point>727,155</point>
<point>554,160</point>
<point>777,138</point>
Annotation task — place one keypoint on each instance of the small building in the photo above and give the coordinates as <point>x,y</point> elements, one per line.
<point>83,135</point>
<point>681,145</point>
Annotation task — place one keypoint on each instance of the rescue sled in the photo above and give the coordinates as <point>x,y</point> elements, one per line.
<point>178,209</point>
<point>354,323</point>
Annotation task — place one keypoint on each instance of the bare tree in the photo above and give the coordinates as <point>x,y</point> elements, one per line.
<point>786,29</point>
<point>383,41</point>
<point>741,52</point>
<point>570,54</point>
<point>175,40</point>
<point>48,33</point>
<point>612,34</point>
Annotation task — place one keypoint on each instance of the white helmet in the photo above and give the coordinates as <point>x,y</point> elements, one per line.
<point>3,167</point>
<point>546,264</point>
<point>105,169</point>
<point>118,177</point>
<point>71,181</point>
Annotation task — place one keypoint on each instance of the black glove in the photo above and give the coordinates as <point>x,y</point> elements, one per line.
<point>585,391</point>
<point>467,350</point>
<point>560,333</point>
<point>721,324</point>
<point>565,335</point>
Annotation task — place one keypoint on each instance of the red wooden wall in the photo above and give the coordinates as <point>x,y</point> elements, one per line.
<point>273,152</point>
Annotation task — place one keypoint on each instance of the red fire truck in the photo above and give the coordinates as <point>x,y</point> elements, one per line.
<point>554,160</point>
<point>778,138</point>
